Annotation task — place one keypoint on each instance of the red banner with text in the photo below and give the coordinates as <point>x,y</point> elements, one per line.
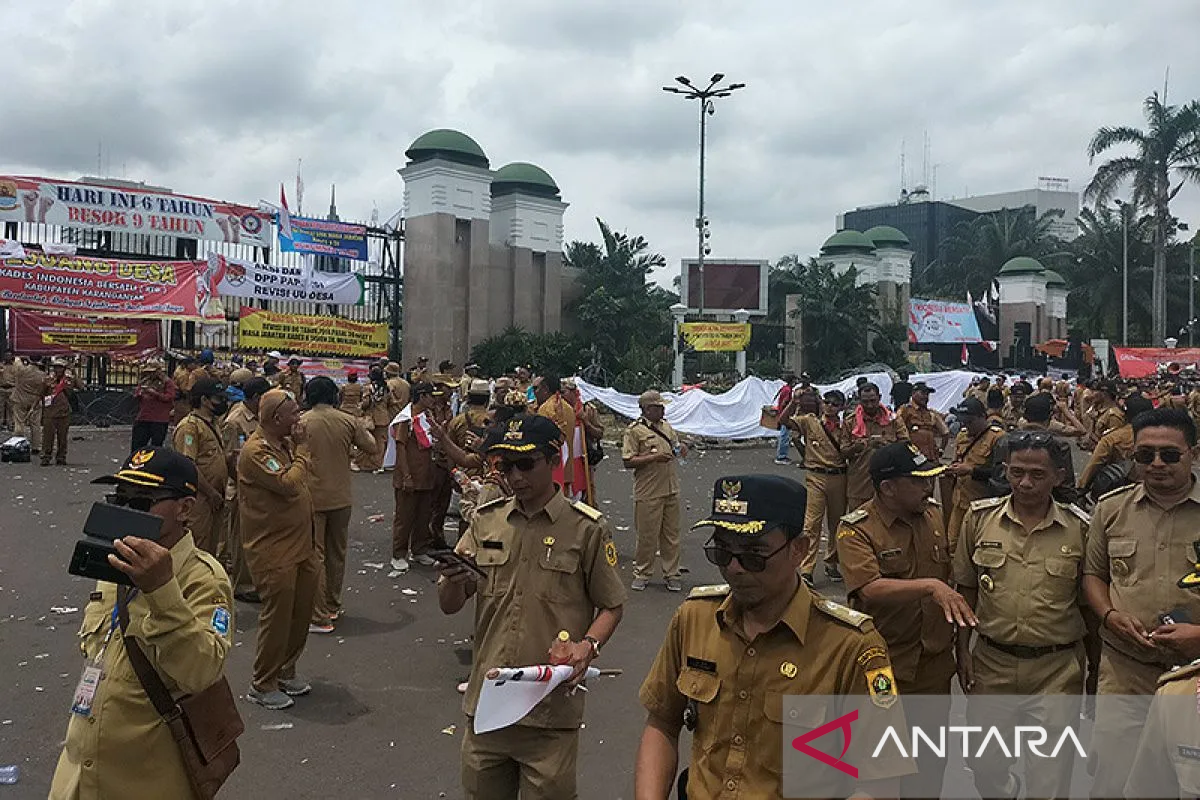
<point>35,333</point>
<point>1145,362</point>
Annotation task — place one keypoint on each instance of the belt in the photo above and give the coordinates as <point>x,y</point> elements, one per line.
<point>827,470</point>
<point>1027,651</point>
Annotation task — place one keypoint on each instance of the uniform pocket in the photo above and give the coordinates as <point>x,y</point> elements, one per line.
<point>702,688</point>
<point>1122,560</point>
<point>494,562</point>
<point>894,562</point>
<point>989,557</point>
<point>783,726</point>
<point>562,580</point>
<point>1063,567</point>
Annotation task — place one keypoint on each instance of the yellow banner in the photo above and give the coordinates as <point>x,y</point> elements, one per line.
<point>302,333</point>
<point>712,336</point>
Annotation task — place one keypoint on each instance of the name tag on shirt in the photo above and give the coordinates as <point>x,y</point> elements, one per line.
<point>701,664</point>
<point>488,545</point>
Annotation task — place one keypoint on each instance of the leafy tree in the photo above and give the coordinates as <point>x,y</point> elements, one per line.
<point>1166,155</point>
<point>559,353</point>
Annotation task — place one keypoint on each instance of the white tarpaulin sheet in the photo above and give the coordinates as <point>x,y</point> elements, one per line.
<point>736,413</point>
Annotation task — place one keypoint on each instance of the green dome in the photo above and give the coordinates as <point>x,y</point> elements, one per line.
<point>847,241</point>
<point>887,236</point>
<point>526,178</point>
<point>448,144</point>
<point>1054,279</point>
<point>1022,265</point>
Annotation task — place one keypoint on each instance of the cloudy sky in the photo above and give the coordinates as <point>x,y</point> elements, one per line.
<point>220,99</point>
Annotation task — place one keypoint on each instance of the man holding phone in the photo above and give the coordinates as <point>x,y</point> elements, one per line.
<point>181,615</point>
<point>551,568</point>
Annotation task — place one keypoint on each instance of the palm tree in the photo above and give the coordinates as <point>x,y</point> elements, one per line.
<point>838,317</point>
<point>1096,299</point>
<point>1166,153</point>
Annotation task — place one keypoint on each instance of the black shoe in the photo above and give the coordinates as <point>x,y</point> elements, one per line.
<point>832,573</point>
<point>807,578</point>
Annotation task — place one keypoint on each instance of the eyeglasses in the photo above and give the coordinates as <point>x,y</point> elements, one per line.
<point>1025,440</point>
<point>751,562</point>
<point>523,464</point>
<point>140,502</point>
<point>1169,455</point>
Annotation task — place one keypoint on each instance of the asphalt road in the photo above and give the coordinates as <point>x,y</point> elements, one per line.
<point>384,718</point>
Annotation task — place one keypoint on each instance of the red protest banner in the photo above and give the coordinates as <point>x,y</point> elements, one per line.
<point>1144,362</point>
<point>35,333</point>
<point>106,287</point>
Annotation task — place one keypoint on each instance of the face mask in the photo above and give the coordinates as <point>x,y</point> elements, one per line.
<point>220,407</point>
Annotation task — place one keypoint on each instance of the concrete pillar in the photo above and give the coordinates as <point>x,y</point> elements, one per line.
<point>741,316</point>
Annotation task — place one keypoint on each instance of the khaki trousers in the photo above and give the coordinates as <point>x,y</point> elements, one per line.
<point>1126,689</point>
<point>532,763</point>
<point>410,525</point>
<point>287,594</point>
<point>443,489</point>
<point>55,436</point>
<point>6,408</point>
<point>27,421</point>
<point>239,571</point>
<point>826,504</point>
<point>332,529</point>
<point>657,522</point>
<point>207,523</point>
<point>1046,681</point>
<point>374,462</point>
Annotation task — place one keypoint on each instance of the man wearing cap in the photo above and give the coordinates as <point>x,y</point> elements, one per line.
<point>973,461</point>
<point>1019,564</point>
<point>60,386</point>
<point>443,482</point>
<point>733,652</point>
<point>819,426</point>
<point>240,422</point>
<point>274,473</point>
<point>547,391</point>
<point>1107,415</point>
<point>292,379</point>
<point>552,580</point>
<point>198,437</point>
<point>180,615</point>
<point>868,428</point>
<point>155,395</point>
<point>419,372</point>
<point>1014,407</point>
<point>650,449</point>
<point>412,481</point>
<point>896,562</point>
<point>470,374</point>
<point>926,427</point>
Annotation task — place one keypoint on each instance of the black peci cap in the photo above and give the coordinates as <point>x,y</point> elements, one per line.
<point>156,468</point>
<point>900,459</point>
<point>970,407</point>
<point>754,504</point>
<point>527,434</point>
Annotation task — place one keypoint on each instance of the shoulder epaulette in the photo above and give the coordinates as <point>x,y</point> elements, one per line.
<point>492,504</point>
<point>996,426</point>
<point>586,510</point>
<point>1079,512</point>
<point>857,515</point>
<point>1116,491</point>
<point>933,501</point>
<point>855,619</point>
<point>702,592</point>
<point>1179,673</point>
<point>987,502</point>
<point>212,563</point>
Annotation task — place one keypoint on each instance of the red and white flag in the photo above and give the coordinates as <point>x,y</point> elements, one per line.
<point>285,216</point>
<point>423,431</point>
<point>966,356</point>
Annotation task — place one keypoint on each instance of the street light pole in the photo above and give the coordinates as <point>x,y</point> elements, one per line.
<point>1192,292</point>
<point>707,108</point>
<point>1124,273</point>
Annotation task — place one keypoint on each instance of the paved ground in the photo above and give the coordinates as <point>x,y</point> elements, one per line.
<point>384,697</point>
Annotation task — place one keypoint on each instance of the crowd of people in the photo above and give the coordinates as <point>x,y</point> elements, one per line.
<point>963,543</point>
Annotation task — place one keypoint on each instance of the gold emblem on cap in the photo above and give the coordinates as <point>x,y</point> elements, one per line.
<point>986,582</point>
<point>729,504</point>
<point>788,670</point>
<point>140,458</point>
<point>548,541</point>
<point>731,489</point>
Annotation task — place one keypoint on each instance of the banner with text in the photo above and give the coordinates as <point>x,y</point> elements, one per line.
<point>267,330</point>
<point>106,287</point>
<point>713,336</point>
<point>129,210</point>
<point>322,237</point>
<point>235,277</point>
<point>41,334</point>
<point>1146,362</point>
<point>941,322</point>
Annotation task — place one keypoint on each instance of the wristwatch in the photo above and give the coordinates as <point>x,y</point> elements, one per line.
<point>595,643</point>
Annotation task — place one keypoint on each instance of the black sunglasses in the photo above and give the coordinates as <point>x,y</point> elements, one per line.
<point>751,562</point>
<point>1169,455</point>
<point>523,464</point>
<point>141,502</point>
<point>1026,440</point>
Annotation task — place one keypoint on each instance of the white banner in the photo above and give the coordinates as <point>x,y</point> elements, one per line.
<point>236,277</point>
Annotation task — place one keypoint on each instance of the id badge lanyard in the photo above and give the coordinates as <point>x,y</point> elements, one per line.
<point>89,682</point>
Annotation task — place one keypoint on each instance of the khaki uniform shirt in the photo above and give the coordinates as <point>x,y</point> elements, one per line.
<point>292,382</point>
<point>274,504</point>
<point>197,438</point>
<point>926,428</point>
<point>1168,755</point>
<point>1193,405</point>
<point>472,418</point>
<point>1109,420</point>
<point>563,415</point>
<point>1114,447</point>
<point>976,452</point>
<point>378,407</point>
<point>1142,552</point>
<point>858,450</point>
<point>412,460</point>
<point>534,590</point>
<point>399,396</point>
<point>738,685</point>
<point>125,749</point>
<point>350,399</point>
<point>28,382</point>
<point>60,405</point>
<point>184,378</point>
<point>331,436</point>
<point>240,422</point>
<point>873,543</point>
<point>1030,584</point>
<point>821,445</point>
<point>659,478</point>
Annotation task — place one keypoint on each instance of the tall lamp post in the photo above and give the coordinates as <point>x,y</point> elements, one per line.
<point>1192,289</point>
<point>1125,211</point>
<point>706,96</point>
<point>678,312</point>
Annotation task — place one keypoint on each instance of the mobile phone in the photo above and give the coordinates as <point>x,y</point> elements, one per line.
<point>1176,616</point>
<point>106,523</point>
<point>449,557</point>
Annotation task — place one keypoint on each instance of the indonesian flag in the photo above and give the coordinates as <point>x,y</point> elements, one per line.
<point>966,356</point>
<point>420,427</point>
<point>284,216</point>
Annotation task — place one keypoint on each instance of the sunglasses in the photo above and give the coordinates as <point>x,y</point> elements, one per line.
<point>141,502</point>
<point>751,562</point>
<point>1169,455</point>
<point>522,464</point>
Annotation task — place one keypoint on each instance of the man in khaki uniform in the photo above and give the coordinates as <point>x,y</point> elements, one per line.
<point>198,437</point>
<point>277,529</point>
<point>1019,564</point>
<point>377,407</point>
<point>292,379</point>
<point>181,617</point>
<point>650,449</point>
<point>732,654</point>
<point>547,393</point>
<point>1168,756</point>
<point>868,428</point>
<point>399,390</point>
<point>8,369</point>
<point>183,378</point>
<point>350,396</point>
<point>28,382</point>
<point>1116,446</point>
<point>331,437</point>
<point>412,482</point>
<point>59,387</point>
<point>1142,548</point>
<point>1193,403</point>
<point>896,562</point>
<point>824,475</point>
<point>973,462</point>
<point>240,422</point>
<point>926,427</point>
<point>1107,414</point>
<point>552,579</point>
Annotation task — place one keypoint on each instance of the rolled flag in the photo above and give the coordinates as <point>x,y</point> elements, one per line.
<point>509,693</point>
<point>966,356</point>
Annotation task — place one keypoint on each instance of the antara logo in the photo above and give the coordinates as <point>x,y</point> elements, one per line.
<point>1031,736</point>
<point>841,723</point>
